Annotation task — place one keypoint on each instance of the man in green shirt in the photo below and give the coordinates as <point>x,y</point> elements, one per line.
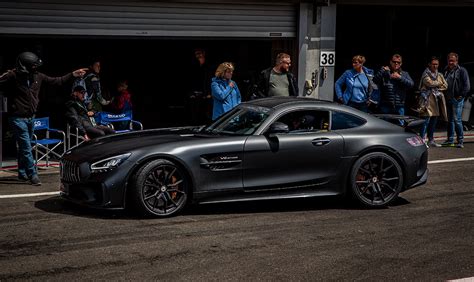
<point>278,80</point>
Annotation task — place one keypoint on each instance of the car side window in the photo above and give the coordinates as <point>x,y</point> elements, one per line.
<point>306,121</point>
<point>344,121</point>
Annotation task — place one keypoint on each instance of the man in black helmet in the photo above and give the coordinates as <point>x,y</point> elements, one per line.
<point>22,86</point>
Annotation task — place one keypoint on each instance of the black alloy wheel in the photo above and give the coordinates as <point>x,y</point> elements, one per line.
<point>160,189</point>
<point>376,179</point>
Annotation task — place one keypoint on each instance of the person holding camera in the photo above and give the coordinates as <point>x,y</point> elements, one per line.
<point>394,84</point>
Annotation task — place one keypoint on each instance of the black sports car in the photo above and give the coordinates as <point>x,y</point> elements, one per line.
<point>264,149</point>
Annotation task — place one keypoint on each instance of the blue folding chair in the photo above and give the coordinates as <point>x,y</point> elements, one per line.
<point>46,146</point>
<point>112,120</point>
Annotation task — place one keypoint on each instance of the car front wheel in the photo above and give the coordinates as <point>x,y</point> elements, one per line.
<point>160,188</point>
<point>376,179</point>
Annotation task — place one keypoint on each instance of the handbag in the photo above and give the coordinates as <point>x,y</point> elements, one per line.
<point>422,102</point>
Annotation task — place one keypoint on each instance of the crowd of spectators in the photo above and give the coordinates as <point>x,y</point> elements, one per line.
<point>384,91</point>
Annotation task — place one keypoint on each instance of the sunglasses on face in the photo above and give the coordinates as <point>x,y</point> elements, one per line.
<point>397,62</point>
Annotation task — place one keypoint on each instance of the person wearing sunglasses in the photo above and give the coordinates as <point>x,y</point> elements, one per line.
<point>394,84</point>
<point>277,80</point>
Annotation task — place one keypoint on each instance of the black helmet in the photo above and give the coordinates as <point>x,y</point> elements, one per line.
<point>27,62</point>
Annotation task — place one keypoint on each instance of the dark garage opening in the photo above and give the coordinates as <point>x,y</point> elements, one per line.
<point>417,33</point>
<point>158,70</point>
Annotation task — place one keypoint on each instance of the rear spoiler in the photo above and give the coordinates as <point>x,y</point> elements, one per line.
<point>409,123</point>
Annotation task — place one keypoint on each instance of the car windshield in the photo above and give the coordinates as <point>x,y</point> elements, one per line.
<point>239,121</point>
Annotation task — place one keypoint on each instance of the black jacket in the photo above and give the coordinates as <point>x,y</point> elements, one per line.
<point>76,114</point>
<point>264,82</point>
<point>393,92</point>
<point>22,90</point>
<point>458,82</point>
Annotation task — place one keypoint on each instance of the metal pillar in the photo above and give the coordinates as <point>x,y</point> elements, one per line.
<point>317,40</point>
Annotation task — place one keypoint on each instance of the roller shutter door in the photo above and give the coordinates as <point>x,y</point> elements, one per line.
<point>157,19</point>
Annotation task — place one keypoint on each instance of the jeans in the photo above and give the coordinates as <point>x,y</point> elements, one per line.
<point>454,109</point>
<point>23,133</point>
<point>430,126</point>
<point>396,110</point>
<point>360,106</point>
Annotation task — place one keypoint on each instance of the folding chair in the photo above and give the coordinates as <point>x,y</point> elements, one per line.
<point>73,137</point>
<point>42,146</point>
<point>109,119</point>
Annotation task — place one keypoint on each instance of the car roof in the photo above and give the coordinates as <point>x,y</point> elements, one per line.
<point>276,102</point>
<point>283,103</point>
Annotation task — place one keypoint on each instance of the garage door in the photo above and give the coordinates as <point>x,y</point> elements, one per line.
<point>120,18</point>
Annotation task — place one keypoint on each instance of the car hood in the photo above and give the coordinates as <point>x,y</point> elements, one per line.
<point>129,142</point>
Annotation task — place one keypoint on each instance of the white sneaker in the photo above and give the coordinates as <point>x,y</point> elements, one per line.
<point>432,143</point>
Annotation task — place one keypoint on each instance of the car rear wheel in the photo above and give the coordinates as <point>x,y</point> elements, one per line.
<point>376,179</point>
<point>160,189</point>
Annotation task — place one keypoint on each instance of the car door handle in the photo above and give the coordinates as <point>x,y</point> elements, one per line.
<point>320,141</point>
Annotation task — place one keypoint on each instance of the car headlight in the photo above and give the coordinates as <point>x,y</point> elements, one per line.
<point>109,163</point>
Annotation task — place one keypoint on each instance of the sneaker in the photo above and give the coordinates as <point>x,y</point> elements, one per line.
<point>35,181</point>
<point>23,178</point>
<point>447,144</point>
<point>460,145</point>
<point>432,143</point>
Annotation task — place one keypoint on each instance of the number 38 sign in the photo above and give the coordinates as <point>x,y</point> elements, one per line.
<point>327,59</point>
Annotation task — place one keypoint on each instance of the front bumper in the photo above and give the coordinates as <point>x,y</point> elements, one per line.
<point>99,190</point>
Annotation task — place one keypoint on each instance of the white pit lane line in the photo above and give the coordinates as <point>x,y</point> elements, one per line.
<point>451,161</point>
<point>29,195</point>
<point>57,193</point>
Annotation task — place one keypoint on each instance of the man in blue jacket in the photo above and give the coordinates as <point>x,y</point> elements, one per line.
<point>458,89</point>
<point>394,84</point>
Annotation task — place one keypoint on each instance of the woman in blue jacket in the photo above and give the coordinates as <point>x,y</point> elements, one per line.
<point>225,93</point>
<point>358,85</point>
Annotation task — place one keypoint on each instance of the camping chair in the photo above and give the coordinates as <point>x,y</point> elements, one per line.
<point>73,137</point>
<point>112,120</point>
<point>46,146</point>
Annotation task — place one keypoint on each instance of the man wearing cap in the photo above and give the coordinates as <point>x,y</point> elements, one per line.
<point>79,117</point>
<point>22,86</point>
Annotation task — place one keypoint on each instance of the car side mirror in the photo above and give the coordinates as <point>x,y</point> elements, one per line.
<point>278,127</point>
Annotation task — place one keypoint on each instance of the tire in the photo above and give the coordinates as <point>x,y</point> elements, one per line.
<point>160,189</point>
<point>376,180</point>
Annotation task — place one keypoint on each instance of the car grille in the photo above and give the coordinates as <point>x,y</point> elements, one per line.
<point>69,171</point>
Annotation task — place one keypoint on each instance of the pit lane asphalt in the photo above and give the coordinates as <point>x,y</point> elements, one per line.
<point>426,235</point>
